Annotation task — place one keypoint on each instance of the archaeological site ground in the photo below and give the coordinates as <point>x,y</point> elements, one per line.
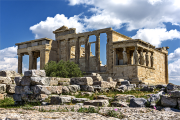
<point>132,85</point>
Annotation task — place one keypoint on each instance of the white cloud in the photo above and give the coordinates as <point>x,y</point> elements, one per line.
<point>8,60</point>
<point>136,14</point>
<point>9,52</point>
<point>45,28</point>
<point>175,55</point>
<point>156,36</point>
<point>174,70</point>
<point>75,2</point>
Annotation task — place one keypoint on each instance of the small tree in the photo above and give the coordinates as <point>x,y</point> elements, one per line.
<point>62,69</point>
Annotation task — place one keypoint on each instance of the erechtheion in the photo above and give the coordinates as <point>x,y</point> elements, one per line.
<point>127,58</point>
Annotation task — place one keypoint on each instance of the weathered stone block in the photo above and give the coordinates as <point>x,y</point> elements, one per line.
<point>125,82</point>
<point>119,104</point>
<point>23,90</point>
<point>147,88</point>
<point>35,73</point>
<point>65,90</point>
<point>123,97</point>
<point>104,84</point>
<point>138,102</point>
<point>2,88</point>
<point>81,81</point>
<point>102,97</point>
<point>10,88</point>
<point>54,89</point>
<point>8,73</point>
<point>123,87</point>
<point>90,89</point>
<point>175,94</point>
<point>109,79</point>
<point>119,80</point>
<point>25,81</point>
<point>60,99</point>
<point>40,81</point>
<point>18,80</point>
<point>74,88</point>
<point>79,100</point>
<point>103,103</point>
<point>39,89</point>
<point>5,80</point>
<point>53,83</point>
<point>168,101</point>
<point>17,97</point>
<point>87,93</point>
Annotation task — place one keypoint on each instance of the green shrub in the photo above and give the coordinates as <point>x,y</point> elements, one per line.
<point>62,69</point>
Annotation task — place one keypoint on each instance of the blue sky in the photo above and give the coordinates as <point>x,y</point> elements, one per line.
<point>154,21</point>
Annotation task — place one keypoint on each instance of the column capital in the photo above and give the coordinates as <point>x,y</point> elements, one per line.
<point>97,34</point>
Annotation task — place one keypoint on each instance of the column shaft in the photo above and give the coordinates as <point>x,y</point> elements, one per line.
<point>34,63</point>
<point>68,50</point>
<point>31,60</point>
<point>87,53</point>
<point>77,51</point>
<point>98,64</point>
<point>44,58</point>
<point>20,56</point>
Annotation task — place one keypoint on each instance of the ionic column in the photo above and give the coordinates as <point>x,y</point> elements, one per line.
<point>31,60</point>
<point>20,59</point>
<point>98,64</point>
<point>44,57</point>
<point>141,57</point>
<point>152,59</point>
<point>34,63</point>
<point>59,51</point>
<point>77,51</point>
<point>87,53</point>
<point>125,59</point>
<point>147,58</point>
<point>68,50</point>
<point>136,61</point>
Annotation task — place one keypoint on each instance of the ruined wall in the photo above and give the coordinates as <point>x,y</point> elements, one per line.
<point>125,71</point>
<point>155,75</point>
<point>53,53</point>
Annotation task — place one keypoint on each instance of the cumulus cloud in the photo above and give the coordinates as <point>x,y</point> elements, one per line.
<point>175,55</point>
<point>9,52</point>
<point>156,36</point>
<point>8,59</point>
<point>45,28</point>
<point>174,70</point>
<point>136,14</point>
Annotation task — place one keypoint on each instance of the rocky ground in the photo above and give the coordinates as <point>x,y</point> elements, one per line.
<point>128,113</point>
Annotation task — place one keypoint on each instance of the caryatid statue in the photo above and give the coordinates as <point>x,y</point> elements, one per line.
<point>152,59</point>
<point>141,57</point>
<point>147,58</point>
<point>125,59</point>
<point>136,56</point>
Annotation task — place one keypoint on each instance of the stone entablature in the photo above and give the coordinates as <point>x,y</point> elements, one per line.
<point>127,58</point>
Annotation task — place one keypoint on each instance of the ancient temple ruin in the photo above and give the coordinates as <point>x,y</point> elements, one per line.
<point>127,58</point>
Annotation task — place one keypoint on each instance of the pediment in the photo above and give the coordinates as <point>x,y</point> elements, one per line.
<point>62,28</point>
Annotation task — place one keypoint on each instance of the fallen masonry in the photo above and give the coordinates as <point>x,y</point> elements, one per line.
<point>35,86</point>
